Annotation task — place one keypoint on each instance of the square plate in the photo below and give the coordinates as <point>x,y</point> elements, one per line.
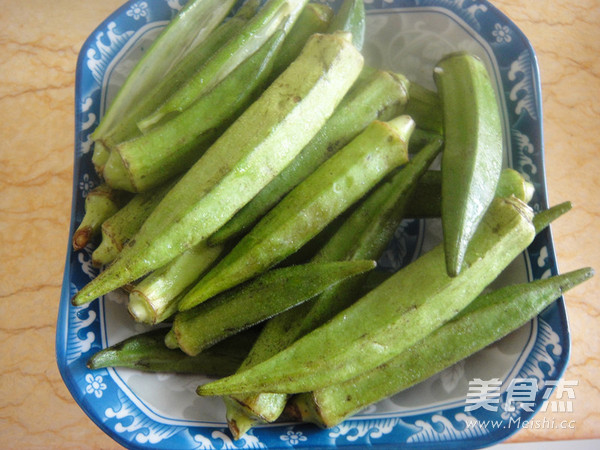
<point>141,410</point>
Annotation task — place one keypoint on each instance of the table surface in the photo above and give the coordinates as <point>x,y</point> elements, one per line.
<point>39,44</point>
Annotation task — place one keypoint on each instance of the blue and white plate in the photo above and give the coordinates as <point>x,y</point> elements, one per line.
<point>162,411</point>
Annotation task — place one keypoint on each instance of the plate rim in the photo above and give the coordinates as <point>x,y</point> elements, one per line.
<point>545,236</point>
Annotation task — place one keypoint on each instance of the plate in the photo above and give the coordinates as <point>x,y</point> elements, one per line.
<point>162,411</point>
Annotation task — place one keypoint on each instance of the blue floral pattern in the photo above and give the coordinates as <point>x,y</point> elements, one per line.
<point>403,35</point>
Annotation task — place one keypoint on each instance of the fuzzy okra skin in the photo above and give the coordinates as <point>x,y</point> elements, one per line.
<point>472,158</point>
<point>101,203</point>
<point>489,318</point>
<point>171,148</point>
<point>310,207</point>
<point>155,298</point>
<point>190,27</point>
<point>251,152</point>
<point>363,235</point>
<point>263,297</point>
<point>147,352</point>
<point>398,313</point>
<point>273,15</point>
<point>379,95</point>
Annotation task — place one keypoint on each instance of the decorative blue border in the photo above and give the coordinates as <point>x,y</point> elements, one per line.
<point>79,329</point>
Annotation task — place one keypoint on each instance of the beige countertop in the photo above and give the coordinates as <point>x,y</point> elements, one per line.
<point>39,44</point>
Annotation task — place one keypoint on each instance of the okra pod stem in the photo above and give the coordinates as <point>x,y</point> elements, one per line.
<point>155,298</point>
<point>101,203</point>
<point>272,15</point>
<point>268,295</point>
<point>473,152</point>
<point>118,229</point>
<point>310,207</point>
<point>147,352</point>
<point>171,148</point>
<point>379,96</point>
<point>251,152</point>
<point>100,156</point>
<point>386,321</point>
<point>489,318</point>
<point>189,28</point>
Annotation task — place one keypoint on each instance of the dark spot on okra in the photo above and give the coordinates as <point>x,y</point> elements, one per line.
<point>349,398</point>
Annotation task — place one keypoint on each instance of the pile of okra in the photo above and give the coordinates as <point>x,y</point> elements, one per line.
<point>254,169</point>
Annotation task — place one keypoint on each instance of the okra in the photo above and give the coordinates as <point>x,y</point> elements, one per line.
<point>364,234</point>
<point>127,127</point>
<point>100,156</point>
<point>424,107</point>
<point>394,316</point>
<point>310,207</point>
<point>314,18</point>
<point>189,28</point>
<point>251,152</point>
<point>274,15</point>
<point>378,96</point>
<point>543,218</point>
<point>118,229</point>
<point>264,297</point>
<point>171,148</point>
<point>426,200</point>
<point>351,18</point>
<point>100,203</point>
<point>489,318</point>
<point>155,298</point>
<point>472,158</point>
<point>147,352</point>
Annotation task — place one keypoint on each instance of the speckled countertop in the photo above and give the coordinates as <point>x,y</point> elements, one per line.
<point>39,44</point>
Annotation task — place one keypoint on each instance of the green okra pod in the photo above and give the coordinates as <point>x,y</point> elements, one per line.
<point>100,156</point>
<point>147,352</point>
<point>264,297</point>
<point>171,148</point>
<point>543,218</point>
<point>426,200</point>
<point>351,18</point>
<point>251,152</point>
<point>472,157</point>
<point>314,18</point>
<point>489,318</point>
<point>425,108</point>
<point>101,203</point>
<point>155,298</point>
<point>379,96</point>
<point>127,128</point>
<point>337,184</point>
<point>364,234</point>
<point>398,313</point>
<point>118,229</point>
<point>273,15</point>
<point>189,28</point>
